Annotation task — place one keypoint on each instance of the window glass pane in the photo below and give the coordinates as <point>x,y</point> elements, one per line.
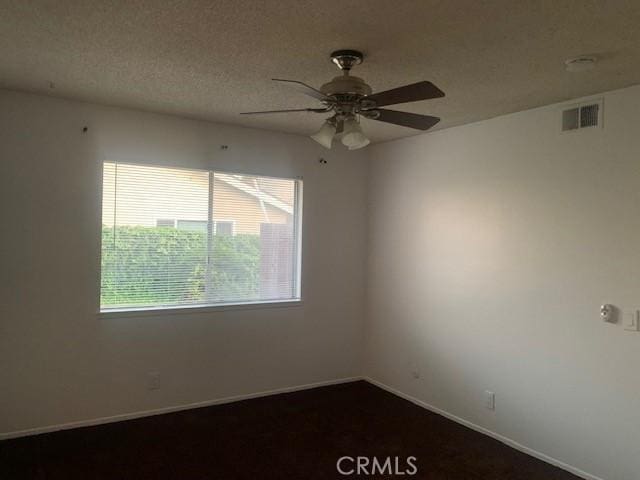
<point>223,228</point>
<point>165,222</point>
<point>144,263</point>
<point>257,261</point>
<point>174,237</point>
<point>195,225</point>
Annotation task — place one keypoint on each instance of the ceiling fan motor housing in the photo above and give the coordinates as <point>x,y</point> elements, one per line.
<point>346,84</point>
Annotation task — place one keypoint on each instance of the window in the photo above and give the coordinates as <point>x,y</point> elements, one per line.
<point>220,227</point>
<point>223,227</point>
<point>193,225</point>
<point>168,239</point>
<point>164,222</point>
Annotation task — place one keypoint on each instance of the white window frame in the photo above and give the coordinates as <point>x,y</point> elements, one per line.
<point>295,301</point>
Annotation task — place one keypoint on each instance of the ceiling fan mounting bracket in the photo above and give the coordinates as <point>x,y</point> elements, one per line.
<point>347,59</point>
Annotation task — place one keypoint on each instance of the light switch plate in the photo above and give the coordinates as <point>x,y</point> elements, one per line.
<point>489,400</point>
<point>153,380</point>
<point>632,321</point>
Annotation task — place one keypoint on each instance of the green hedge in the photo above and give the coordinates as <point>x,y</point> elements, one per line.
<point>138,263</point>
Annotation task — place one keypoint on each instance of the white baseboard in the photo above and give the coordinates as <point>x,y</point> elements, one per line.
<point>507,441</point>
<point>176,408</point>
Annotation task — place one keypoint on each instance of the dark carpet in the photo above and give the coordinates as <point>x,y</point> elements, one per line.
<point>290,436</point>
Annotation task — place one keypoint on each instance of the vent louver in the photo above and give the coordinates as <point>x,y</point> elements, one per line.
<point>589,115</point>
<point>570,119</point>
<point>582,116</point>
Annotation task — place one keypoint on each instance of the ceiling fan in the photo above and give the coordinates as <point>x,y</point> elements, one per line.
<point>350,98</point>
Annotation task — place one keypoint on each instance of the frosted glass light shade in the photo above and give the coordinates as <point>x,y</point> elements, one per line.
<point>365,141</point>
<point>325,135</point>
<point>353,136</point>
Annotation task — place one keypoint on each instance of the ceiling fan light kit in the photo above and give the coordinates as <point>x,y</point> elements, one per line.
<point>325,135</point>
<point>350,98</point>
<point>352,135</point>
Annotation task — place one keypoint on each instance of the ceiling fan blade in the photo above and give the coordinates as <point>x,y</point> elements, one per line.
<point>303,88</point>
<point>408,93</point>
<point>406,119</point>
<point>315,110</point>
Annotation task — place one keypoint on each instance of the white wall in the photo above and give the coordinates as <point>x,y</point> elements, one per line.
<point>492,246</point>
<point>60,362</point>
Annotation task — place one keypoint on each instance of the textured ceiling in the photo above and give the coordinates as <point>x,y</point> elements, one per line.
<point>214,59</point>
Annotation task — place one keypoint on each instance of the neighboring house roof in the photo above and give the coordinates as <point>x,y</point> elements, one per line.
<point>254,192</point>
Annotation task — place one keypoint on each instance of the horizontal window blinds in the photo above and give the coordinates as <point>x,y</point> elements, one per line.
<point>174,237</point>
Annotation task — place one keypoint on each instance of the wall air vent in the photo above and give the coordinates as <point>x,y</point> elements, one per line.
<point>584,115</point>
<point>589,115</point>
<point>570,119</point>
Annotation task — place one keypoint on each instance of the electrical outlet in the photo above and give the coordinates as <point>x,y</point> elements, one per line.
<point>489,400</point>
<point>153,380</point>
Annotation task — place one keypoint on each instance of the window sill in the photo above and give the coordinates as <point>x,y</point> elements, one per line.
<point>197,309</point>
